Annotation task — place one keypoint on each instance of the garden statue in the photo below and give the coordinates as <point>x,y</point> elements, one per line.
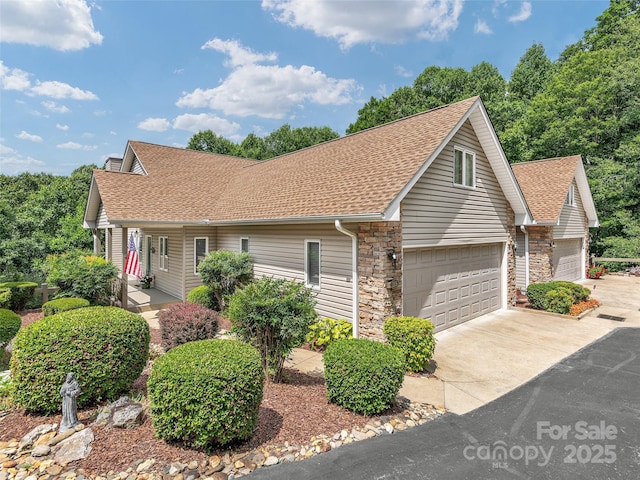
<point>69,391</point>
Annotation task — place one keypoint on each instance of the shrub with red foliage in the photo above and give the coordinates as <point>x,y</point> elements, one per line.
<point>186,322</point>
<point>577,308</point>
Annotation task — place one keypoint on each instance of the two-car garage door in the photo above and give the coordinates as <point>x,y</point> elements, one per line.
<point>451,285</point>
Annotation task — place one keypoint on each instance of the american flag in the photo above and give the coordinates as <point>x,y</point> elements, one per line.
<point>132,265</point>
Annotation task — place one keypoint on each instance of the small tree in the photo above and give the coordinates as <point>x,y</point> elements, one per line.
<point>223,271</point>
<point>274,315</point>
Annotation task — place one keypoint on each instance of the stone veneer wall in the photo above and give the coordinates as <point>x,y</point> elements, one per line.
<point>379,280</point>
<point>540,254</point>
<point>511,257</point>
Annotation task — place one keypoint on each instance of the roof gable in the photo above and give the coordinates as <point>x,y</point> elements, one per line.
<point>545,184</point>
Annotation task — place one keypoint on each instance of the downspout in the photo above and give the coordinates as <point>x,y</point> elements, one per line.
<point>355,297</point>
<point>526,255</point>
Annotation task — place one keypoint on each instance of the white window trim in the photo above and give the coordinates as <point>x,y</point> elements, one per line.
<point>195,252</point>
<point>163,260</point>
<point>306,264</point>
<point>248,244</point>
<point>570,199</point>
<point>464,151</point>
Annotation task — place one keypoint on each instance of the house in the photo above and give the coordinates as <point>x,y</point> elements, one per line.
<point>556,247</point>
<point>415,217</point>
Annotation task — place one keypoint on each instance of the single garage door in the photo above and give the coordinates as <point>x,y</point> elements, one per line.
<point>450,285</point>
<point>567,259</point>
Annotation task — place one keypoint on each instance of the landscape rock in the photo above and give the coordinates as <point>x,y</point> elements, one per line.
<point>76,447</point>
<point>34,434</point>
<point>41,451</point>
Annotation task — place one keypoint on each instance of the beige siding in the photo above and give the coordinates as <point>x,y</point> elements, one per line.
<point>193,280</point>
<point>116,247</point>
<point>102,221</point>
<point>521,261</point>
<point>278,251</point>
<point>572,219</point>
<point>172,280</point>
<point>136,166</point>
<point>435,212</point>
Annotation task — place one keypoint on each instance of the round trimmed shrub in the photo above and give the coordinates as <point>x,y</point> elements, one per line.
<point>9,325</point>
<point>186,322</point>
<point>559,300</point>
<point>5,297</point>
<point>105,347</point>
<point>206,393</point>
<point>21,293</point>
<point>414,338</point>
<point>62,305</point>
<point>363,375</point>
<point>204,296</point>
<point>326,330</point>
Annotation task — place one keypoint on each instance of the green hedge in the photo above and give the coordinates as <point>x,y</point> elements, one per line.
<point>21,293</point>
<point>363,375</point>
<point>62,305</point>
<point>537,294</point>
<point>206,393</point>
<point>204,296</point>
<point>105,347</point>
<point>9,325</point>
<point>5,297</point>
<point>414,338</point>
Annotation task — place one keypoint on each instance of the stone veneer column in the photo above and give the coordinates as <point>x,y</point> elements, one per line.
<point>540,254</point>
<point>511,257</point>
<point>379,280</point>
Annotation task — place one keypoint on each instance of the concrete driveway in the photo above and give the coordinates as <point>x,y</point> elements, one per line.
<point>485,358</point>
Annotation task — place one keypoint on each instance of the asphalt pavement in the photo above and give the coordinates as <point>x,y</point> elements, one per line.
<point>580,419</point>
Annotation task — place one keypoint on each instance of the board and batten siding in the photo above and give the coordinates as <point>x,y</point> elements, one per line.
<point>191,279</point>
<point>572,219</point>
<point>171,281</point>
<point>278,251</point>
<point>436,212</point>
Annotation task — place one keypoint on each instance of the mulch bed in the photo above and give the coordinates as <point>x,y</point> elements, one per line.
<point>292,411</point>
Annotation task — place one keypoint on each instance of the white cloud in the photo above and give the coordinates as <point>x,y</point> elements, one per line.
<point>28,136</point>
<point>482,27</point>
<point>154,124</point>
<point>13,78</point>
<point>4,149</point>
<point>75,146</point>
<point>523,14</point>
<point>403,72</point>
<point>351,23</point>
<point>62,127</point>
<point>238,55</point>
<point>57,89</point>
<point>205,121</point>
<point>15,164</point>
<point>54,107</point>
<point>62,24</point>
<point>268,91</point>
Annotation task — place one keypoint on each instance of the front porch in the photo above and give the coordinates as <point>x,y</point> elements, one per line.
<point>146,299</point>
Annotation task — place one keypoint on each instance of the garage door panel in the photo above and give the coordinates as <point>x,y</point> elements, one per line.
<point>455,284</point>
<point>567,259</point>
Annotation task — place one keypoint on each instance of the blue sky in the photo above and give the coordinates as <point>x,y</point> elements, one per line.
<point>78,79</point>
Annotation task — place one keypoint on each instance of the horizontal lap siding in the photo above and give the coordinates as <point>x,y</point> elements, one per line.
<point>572,219</point>
<point>435,212</point>
<point>278,251</point>
<point>116,247</point>
<point>103,221</point>
<point>171,281</point>
<point>192,280</point>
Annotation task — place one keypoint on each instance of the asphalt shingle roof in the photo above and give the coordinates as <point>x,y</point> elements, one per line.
<point>359,174</point>
<point>545,183</point>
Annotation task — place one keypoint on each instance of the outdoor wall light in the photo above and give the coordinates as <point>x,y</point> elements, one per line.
<point>391,255</point>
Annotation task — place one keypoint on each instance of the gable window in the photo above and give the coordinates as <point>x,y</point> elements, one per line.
<point>464,167</point>
<point>163,258</point>
<point>200,250</point>
<point>312,263</point>
<point>571,198</point>
<point>244,245</point>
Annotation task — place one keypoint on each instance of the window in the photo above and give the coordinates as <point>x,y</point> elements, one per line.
<point>571,199</point>
<point>464,167</point>
<point>312,263</point>
<point>244,245</point>
<point>200,250</point>
<point>163,260</point>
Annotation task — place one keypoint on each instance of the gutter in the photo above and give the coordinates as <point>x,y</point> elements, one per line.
<point>355,298</point>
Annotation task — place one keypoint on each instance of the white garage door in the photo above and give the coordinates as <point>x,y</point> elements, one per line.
<point>451,285</point>
<point>567,259</point>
